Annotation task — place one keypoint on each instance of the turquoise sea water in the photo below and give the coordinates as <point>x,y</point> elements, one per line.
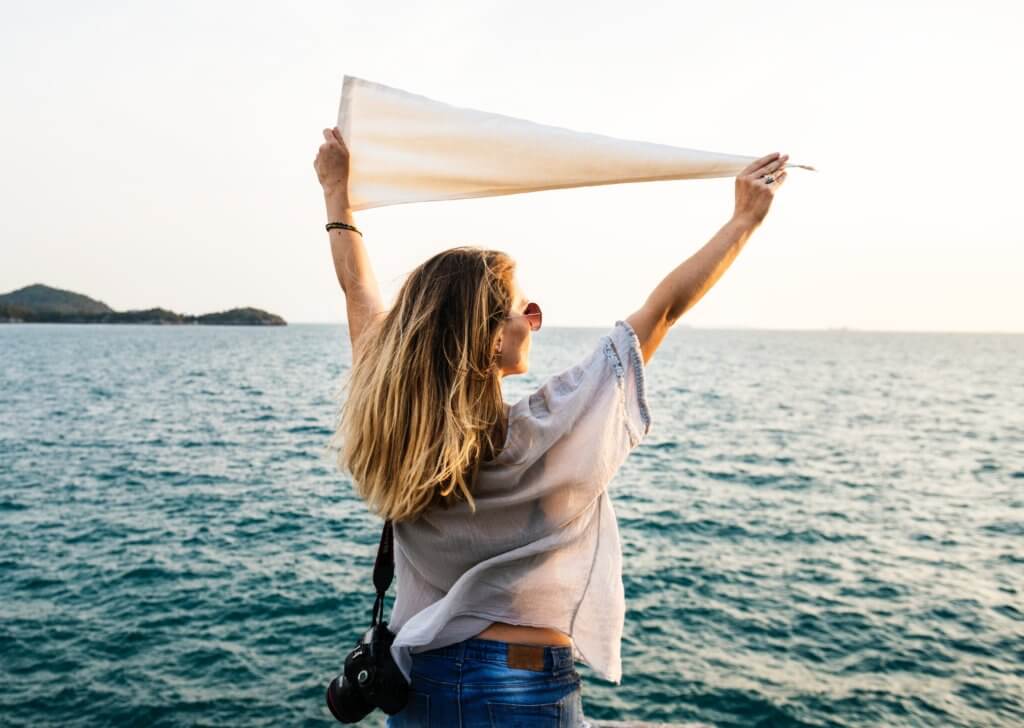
<point>821,528</point>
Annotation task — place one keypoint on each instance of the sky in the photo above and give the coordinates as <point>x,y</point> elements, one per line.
<point>160,154</point>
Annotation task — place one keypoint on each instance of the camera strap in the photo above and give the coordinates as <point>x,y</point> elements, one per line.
<point>383,570</point>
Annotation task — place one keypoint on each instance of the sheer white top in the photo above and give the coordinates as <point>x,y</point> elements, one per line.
<point>543,547</point>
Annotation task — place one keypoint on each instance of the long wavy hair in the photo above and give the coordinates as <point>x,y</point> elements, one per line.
<point>424,404</point>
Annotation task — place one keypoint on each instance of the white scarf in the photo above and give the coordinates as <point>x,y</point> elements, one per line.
<point>408,148</point>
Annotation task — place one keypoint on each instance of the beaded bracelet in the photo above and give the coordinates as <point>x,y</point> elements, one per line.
<point>342,226</point>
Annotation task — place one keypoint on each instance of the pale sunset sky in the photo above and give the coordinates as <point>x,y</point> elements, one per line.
<point>160,154</point>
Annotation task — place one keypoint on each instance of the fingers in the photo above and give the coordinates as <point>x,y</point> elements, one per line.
<point>758,163</point>
<point>333,136</point>
<point>771,167</point>
<point>765,165</point>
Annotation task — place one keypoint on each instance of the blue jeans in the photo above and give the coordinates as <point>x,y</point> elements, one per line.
<point>486,684</point>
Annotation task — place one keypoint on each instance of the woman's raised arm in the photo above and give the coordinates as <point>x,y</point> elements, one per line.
<point>351,261</point>
<point>687,284</point>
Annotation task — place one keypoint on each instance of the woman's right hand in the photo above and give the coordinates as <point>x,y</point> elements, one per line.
<point>753,193</point>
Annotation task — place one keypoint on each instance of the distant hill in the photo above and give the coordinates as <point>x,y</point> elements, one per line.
<point>44,299</point>
<point>43,304</point>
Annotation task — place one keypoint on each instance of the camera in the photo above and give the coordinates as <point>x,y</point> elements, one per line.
<point>370,679</point>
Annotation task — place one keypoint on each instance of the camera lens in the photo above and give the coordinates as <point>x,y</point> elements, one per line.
<point>345,701</point>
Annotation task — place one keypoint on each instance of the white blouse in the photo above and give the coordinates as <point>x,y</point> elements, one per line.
<point>543,547</point>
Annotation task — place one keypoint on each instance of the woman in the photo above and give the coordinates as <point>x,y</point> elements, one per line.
<point>507,556</point>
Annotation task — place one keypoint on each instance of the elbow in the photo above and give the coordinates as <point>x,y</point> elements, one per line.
<point>666,313</point>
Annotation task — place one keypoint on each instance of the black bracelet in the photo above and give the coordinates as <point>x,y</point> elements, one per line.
<point>342,226</point>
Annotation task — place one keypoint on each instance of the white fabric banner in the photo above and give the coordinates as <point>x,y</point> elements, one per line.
<point>409,148</point>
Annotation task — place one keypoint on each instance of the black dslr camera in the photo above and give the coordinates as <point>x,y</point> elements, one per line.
<point>370,678</point>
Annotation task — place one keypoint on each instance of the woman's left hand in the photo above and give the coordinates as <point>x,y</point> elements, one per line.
<point>331,164</point>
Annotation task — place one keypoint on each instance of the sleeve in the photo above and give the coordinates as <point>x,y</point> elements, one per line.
<point>589,399</point>
<point>628,362</point>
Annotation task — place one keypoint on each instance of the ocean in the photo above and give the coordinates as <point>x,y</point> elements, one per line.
<point>821,528</point>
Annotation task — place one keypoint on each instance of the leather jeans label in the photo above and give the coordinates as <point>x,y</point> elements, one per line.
<point>526,657</point>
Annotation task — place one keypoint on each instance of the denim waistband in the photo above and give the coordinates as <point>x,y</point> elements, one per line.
<point>556,659</point>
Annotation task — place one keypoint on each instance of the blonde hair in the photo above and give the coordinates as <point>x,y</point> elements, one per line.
<point>424,404</point>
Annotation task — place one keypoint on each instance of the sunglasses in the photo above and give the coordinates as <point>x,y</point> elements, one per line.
<point>532,314</point>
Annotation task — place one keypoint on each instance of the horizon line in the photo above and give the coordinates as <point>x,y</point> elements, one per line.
<point>731,327</point>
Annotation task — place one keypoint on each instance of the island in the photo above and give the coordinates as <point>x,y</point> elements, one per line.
<point>43,304</point>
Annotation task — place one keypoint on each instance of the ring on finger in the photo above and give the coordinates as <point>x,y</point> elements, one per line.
<point>768,172</point>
